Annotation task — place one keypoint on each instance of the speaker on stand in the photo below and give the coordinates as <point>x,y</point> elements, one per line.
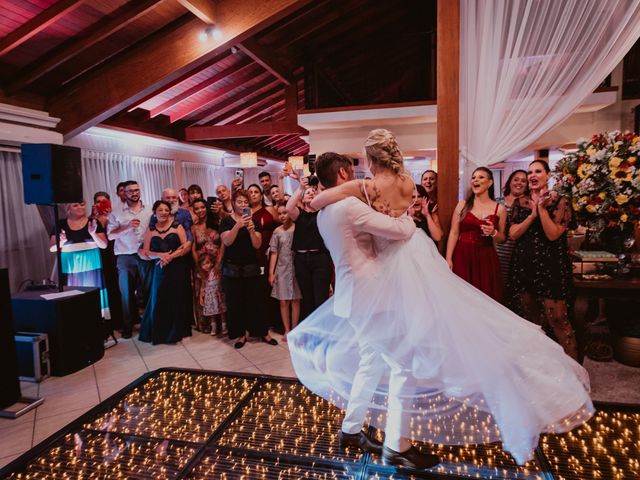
<point>10,393</point>
<point>52,174</point>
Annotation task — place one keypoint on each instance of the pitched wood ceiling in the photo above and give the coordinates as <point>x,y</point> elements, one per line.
<point>155,66</point>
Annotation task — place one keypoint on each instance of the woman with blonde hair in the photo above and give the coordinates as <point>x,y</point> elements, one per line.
<point>472,371</point>
<point>81,240</point>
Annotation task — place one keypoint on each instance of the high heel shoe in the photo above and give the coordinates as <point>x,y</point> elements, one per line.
<point>270,341</point>
<point>239,343</point>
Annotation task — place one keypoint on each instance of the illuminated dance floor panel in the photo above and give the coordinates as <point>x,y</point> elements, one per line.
<point>182,424</point>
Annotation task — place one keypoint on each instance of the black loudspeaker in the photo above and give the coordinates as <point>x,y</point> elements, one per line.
<point>9,384</point>
<point>73,323</point>
<point>51,174</point>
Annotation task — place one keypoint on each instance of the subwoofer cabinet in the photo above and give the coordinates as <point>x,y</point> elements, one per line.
<point>72,323</point>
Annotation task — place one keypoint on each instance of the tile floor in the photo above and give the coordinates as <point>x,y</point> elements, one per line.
<point>68,397</point>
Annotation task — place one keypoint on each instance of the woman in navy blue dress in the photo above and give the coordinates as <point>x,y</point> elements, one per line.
<point>169,311</point>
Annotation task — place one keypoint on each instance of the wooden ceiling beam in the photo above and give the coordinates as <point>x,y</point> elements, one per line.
<point>190,92</point>
<point>203,9</point>
<point>217,111</point>
<point>251,103</point>
<point>288,143</point>
<point>302,149</point>
<point>242,131</point>
<point>179,80</point>
<point>271,142</point>
<point>268,61</point>
<point>67,51</point>
<point>38,23</point>
<point>158,60</point>
<point>252,115</point>
<point>212,96</point>
<point>291,103</point>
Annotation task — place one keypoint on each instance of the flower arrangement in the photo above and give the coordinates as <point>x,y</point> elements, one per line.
<point>602,179</point>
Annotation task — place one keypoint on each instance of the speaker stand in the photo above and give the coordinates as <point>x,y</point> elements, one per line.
<point>30,404</point>
<point>56,217</point>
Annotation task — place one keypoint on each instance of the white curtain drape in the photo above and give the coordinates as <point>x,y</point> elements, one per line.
<point>24,242</point>
<point>207,176</point>
<point>102,171</point>
<point>526,65</point>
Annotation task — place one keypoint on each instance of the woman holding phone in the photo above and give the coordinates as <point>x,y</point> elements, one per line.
<point>477,222</point>
<point>241,273</point>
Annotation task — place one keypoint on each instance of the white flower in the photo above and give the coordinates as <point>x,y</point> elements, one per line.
<point>599,155</point>
<point>582,141</point>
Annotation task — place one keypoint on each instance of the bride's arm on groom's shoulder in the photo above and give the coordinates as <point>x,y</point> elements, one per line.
<point>365,219</point>
<point>335,194</point>
<point>454,232</point>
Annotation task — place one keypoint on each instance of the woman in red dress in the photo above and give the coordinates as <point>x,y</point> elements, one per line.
<point>477,222</point>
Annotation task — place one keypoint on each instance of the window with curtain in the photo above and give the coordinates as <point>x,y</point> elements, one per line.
<point>210,176</point>
<point>24,242</point>
<point>207,176</point>
<point>102,171</point>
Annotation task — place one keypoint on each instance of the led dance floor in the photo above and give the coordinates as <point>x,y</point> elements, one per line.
<point>175,424</point>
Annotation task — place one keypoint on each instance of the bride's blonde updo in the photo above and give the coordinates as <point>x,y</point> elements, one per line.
<point>382,149</point>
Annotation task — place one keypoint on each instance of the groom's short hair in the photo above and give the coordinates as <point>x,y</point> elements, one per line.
<point>328,165</point>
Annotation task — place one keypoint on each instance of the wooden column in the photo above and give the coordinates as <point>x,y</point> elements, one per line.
<point>448,73</point>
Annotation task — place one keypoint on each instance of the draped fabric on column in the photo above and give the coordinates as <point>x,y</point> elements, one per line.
<point>525,66</point>
<point>24,242</point>
<point>102,171</point>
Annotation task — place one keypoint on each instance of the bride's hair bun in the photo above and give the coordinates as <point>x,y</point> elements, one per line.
<point>382,149</point>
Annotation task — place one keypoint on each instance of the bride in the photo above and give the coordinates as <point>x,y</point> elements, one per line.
<point>481,373</point>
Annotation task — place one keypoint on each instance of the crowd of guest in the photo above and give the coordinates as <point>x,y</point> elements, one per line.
<point>188,261</point>
<point>245,261</point>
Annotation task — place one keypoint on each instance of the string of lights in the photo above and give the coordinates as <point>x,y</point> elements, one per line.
<point>175,424</point>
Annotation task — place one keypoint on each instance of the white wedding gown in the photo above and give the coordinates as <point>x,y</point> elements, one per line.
<point>481,373</point>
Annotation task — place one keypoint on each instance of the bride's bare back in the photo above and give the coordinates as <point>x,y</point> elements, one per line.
<point>390,193</point>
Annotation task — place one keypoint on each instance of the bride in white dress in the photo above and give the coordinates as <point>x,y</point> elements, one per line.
<point>481,373</point>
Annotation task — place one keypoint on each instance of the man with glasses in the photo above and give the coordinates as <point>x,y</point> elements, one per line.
<point>127,227</point>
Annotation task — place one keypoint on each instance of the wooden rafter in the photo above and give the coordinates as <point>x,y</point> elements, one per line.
<point>221,109</point>
<point>187,109</point>
<point>243,131</point>
<point>203,9</point>
<point>231,115</point>
<point>156,61</point>
<point>72,48</point>
<point>254,110</point>
<point>271,115</point>
<point>190,92</point>
<point>37,24</point>
<point>179,80</point>
<point>268,61</point>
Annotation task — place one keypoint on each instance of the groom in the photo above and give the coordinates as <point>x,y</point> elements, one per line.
<point>347,228</point>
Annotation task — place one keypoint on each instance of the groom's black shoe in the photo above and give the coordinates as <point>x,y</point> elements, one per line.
<point>411,458</point>
<point>360,440</point>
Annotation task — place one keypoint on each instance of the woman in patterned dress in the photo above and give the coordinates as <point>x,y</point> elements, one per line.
<point>206,241</point>
<point>282,275</point>
<point>541,274</point>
